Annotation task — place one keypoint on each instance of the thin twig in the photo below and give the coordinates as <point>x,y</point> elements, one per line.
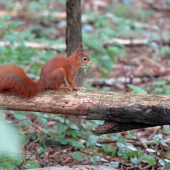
<point>39,129</point>
<point>24,158</point>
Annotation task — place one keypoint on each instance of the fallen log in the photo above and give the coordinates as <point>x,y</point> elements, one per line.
<point>58,16</point>
<point>135,42</point>
<point>159,7</point>
<point>125,108</point>
<point>35,45</point>
<point>77,167</point>
<point>115,81</point>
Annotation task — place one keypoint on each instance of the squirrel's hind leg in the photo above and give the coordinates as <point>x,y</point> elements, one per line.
<point>59,77</point>
<point>67,86</point>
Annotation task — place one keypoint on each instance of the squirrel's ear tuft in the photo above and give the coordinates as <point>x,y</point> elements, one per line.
<point>79,50</point>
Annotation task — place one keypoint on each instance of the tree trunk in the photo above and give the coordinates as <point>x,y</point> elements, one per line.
<point>73,41</point>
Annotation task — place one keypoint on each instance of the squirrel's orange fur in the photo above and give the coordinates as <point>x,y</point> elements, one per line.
<point>54,73</point>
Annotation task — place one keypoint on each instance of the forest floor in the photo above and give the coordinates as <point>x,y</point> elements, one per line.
<point>143,65</point>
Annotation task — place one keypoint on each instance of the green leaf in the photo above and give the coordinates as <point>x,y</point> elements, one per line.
<point>105,64</point>
<point>15,23</point>
<point>103,74</point>
<point>162,162</point>
<point>73,133</point>
<point>67,121</point>
<point>9,165</point>
<point>159,89</point>
<point>131,132</point>
<point>17,160</point>
<point>31,165</point>
<point>163,154</point>
<point>77,155</point>
<point>92,141</point>
<point>112,164</point>
<point>163,143</point>
<point>165,163</point>
<point>77,144</point>
<point>158,83</point>
<point>95,159</point>
<point>85,68</point>
<point>166,129</point>
<point>140,154</point>
<point>131,136</point>
<point>148,159</point>
<point>124,153</point>
<point>157,137</point>
<point>5,17</point>
<point>98,159</point>
<point>135,160</point>
<point>27,122</point>
<point>42,136</point>
<point>157,142</point>
<point>98,122</point>
<point>150,150</point>
<point>110,53</point>
<point>64,141</point>
<point>120,139</point>
<point>60,119</point>
<point>120,145</point>
<point>42,120</point>
<point>73,126</point>
<point>40,149</point>
<point>92,125</point>
<point>62,128</point>
<point>137,89</point>
<point>45,115</point>
<point>19,117</point>
<point>108,150</point>
<point>131,148</point>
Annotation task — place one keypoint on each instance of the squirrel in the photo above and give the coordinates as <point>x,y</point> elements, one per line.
<point>57,71</point>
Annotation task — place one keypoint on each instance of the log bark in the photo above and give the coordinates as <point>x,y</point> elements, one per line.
<point>96,105</point>
<point>113,127</point>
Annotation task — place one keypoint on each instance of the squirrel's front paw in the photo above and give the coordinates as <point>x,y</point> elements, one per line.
<point>81,88</point>
<point>69,88</point>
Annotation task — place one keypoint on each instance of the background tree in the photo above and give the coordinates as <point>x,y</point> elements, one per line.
<point>74,40</point>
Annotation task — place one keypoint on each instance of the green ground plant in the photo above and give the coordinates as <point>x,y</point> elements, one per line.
<point>97,29</point>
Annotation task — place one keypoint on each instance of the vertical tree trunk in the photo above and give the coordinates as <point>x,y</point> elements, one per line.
<point>74,40</point>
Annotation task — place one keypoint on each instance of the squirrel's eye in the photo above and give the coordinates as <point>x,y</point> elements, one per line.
<point>85,59</point>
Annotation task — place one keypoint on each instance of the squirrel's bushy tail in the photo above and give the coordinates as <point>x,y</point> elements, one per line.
<point>14,79</point>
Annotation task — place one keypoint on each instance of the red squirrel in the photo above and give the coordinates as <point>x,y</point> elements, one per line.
<point>57,71</point>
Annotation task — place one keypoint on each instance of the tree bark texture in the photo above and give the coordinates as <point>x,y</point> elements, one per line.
<point>74,40</point>
<point>96,105</point>
<point>113,127</point>
<point>74,32</point>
